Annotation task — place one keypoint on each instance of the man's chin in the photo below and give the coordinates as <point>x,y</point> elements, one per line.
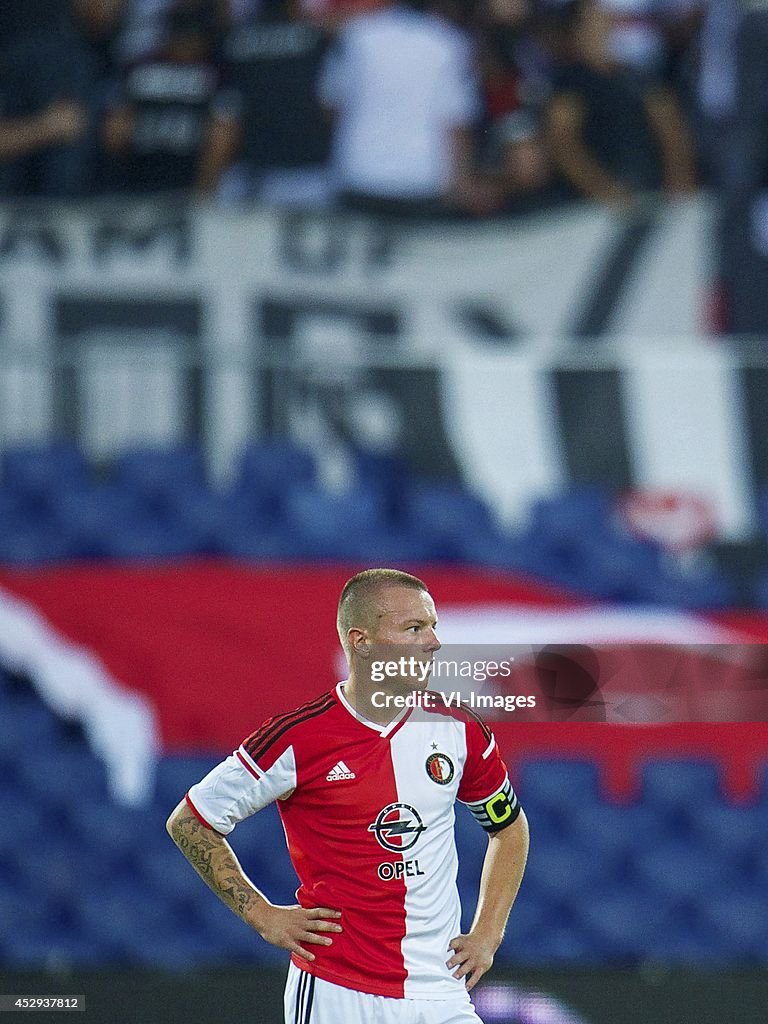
<point>408,684</point>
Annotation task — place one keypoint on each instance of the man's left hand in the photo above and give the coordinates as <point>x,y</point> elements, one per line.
<point>472,956</point>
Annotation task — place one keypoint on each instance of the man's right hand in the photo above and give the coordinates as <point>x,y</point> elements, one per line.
<point>295,927</point>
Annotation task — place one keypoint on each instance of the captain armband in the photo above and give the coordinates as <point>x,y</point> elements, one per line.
<point>499,810</point>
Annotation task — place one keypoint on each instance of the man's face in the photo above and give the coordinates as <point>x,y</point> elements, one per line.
<point>403,624</point>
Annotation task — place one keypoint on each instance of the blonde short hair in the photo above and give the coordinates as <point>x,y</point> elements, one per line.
<point>358,592</point>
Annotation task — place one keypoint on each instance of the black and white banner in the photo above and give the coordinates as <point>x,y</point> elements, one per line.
<point>524,355</point>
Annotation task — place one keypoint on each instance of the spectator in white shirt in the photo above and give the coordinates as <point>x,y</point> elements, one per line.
<point>403,90</point>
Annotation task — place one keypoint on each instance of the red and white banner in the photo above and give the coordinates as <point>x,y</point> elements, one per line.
<point>194,656</point>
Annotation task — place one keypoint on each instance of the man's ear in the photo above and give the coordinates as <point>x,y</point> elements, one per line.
<point>358,642</point>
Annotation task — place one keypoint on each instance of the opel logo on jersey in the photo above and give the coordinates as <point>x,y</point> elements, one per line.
<point>440,768</point>
<point>397,827</point>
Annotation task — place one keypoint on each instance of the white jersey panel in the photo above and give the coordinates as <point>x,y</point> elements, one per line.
<point>428,759</point>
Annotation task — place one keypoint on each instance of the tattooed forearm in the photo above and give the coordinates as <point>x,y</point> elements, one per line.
<point>239,894</point>
<point>212,857</point>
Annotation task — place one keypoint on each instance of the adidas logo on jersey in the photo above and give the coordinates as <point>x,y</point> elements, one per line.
<point>339,771</point>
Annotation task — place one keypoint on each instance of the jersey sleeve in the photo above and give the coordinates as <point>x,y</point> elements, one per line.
<point>240,786</point>
<point>485,787</point>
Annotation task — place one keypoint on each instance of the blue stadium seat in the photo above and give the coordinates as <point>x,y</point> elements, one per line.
<point>564,784</point>
<point>761,590</point>
<point>560,870</point>
<point>471,840</point>
<point>261,544</point>
<point>268,468</point>
<point>740,916</point>
<point>447,514</point>
<point>572,515</point>
<point>20,909</point>
<point>16,518</point>
<point>175,774</point>
<point>762,772</point>
<point>527,936</point>
<point>27,818</point>
<point>236,941</point>
<point>624,919</point>
<point>616,830</point>
<point>146,541</point>
<point>181,950</point>
<point>494,549</point>
<point>389,475</point>
<point>161,477</point>
<point>677,870</point>
<point>34,544</point>
<point>384,547</point>
<point>166,873</point>
<point>92,515</point>
<point>57,866</point>
<point>325,522</point>
<point>709,590</point>
<point>260,843</point>
<point>59,949</point>
<point>732,831</point>
<point>614,566</point>
<point>27,724</point>
<point>568,943</point>
<point>122,913</point>
<point>685,942</point>
<point>40,471</point>
<point>214,518</point>
<point>110,830</point>
<point>64,774</point>
<point>681,787</point>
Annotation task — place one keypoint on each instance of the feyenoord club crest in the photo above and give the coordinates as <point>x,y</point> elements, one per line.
<point>440,768</point>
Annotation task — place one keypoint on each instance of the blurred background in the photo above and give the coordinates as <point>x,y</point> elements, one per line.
<point>476,288</point>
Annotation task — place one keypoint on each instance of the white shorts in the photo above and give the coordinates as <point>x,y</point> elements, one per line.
<point>310,1000</point>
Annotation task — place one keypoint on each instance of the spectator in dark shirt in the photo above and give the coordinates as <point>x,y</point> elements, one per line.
<point>46,87</point>
<point>99,23</point>
<point>513,90</point>
<point>610,137</point>
<point>270,125</point>
<point>155,129</point>
<point>145,25</point>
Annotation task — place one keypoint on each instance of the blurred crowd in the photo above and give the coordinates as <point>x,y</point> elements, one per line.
<point>417,108</point>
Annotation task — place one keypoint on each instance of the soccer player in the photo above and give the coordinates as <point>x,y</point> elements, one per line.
<point>366,797</point>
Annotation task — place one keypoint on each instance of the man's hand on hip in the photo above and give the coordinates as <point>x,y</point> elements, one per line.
<point>295,927</point>
<point>472,956</point>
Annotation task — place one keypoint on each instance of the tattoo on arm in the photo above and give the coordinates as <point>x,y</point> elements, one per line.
<point>211,856</point>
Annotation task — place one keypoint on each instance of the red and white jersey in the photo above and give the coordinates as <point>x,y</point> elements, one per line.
<point>369,821</point>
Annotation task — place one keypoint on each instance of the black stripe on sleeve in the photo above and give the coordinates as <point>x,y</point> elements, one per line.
<point>277,720</point>
<point>263,738</point>
<point>261,750</point>
<point>485,730</point>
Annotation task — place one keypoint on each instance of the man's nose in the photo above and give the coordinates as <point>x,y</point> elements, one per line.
<point>433,644</point>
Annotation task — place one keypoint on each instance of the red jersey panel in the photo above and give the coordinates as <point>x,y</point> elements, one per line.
<point>368,812</point>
